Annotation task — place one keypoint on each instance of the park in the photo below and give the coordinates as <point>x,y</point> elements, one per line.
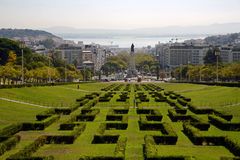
<point>120,121</point>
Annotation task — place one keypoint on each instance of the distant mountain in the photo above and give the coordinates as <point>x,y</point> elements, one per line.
<point>233,38</point>
<point>214,29</point>
<point>12,33</point>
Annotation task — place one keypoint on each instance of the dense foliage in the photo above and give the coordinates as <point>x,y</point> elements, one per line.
<point>37,67</point>
<point>226,72</point>
<point>145,63</point>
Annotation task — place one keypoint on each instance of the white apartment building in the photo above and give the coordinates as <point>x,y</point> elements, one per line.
<point>162,53</point>
<point>173,55</point>
<point>71,54</point>
<point>236,54</point>
<point>226,54</point>
<point>182,54</point>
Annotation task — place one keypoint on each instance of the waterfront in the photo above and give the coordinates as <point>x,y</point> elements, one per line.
<point>126,41</point>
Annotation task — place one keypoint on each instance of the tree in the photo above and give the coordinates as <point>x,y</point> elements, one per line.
<point>142,60</point>
<point>211,57</point>
<point>11,57</point>
<point>208,73</point>
<point>48,43</point>
<point>8,73</point>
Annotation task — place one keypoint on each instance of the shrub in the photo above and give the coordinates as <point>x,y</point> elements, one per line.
<point>28,150</point>
<point>154,117</point>
<point>45,114</point>
<point>66,139</point>
<point>223,115</point>
<point>120,111</point>
<point>199,123</point>
<point>172,96</point>
<point>197,110</point>
<point>101,129</point>
<point>174,116</point>
<point>144,111</point>
<point>223,124</point>
<point>83,102</point>
<point>182,101</point>
<point>105,139</point>
<point>9,143</point>
<point>149,147</point>
<point>11,129</point>
<point>40,125</point>
<point>233,146</point>
<point>114,118</point>
<point>120,147</point>
<point>193,134</point>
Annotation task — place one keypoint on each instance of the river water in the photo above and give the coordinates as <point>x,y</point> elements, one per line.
<point>126,41</point>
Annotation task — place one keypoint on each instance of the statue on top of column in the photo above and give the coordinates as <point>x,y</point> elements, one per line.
<point>132,48</point>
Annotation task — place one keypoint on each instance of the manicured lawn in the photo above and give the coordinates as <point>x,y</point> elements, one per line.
<point>57,96</point>
<point>220,98</point>
<point>14,112</point>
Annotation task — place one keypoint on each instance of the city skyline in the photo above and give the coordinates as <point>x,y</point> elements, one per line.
<point>115,14</point>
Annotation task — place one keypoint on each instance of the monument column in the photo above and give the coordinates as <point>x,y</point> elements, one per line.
<point>132,72</point>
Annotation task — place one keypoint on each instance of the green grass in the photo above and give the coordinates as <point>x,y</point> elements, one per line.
<point>14,112</point>
<point>201,95</point>
<point>222,98</point>
<point>57,96</point>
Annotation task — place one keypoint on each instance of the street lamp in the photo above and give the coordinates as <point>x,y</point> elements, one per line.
<point>65,69</point>
<point>217,54</point>
<point>84,72</point>
<point>200,74</point>
<point>180,72</point>
<point>22,47</point>
<point>49,75</point>
<point>188,71</point>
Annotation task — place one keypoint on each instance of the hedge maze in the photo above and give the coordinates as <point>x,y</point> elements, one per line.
<point>125,121</point>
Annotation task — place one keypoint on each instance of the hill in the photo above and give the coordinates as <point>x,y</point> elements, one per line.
<point>13,33</point>
<point>224,39</point>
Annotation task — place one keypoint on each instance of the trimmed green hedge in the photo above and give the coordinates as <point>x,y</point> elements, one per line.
<point>9,143</point>
<point>199,123</point>
<point>198,110</point>
<point>105,139</point>
<point>198,139</point>
<point>174,116</point>
<point>182,101</point>
<point>11,129</point>
<point>151,153</point>
<point>66,139</point>
<point>223,124</point>
<point>121,147</point>
<point>117,126</point>
<point>233,146</point>
<point>40,125</point>
<point>28,150</point>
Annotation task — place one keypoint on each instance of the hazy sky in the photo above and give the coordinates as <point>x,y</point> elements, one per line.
<point>116,14</point>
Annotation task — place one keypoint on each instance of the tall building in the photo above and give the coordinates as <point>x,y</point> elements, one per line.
<point>71,54</point>
<point>236,54</point>
<point>162,54</point>
<point>226,54</point>
<point>182,54</point>
<point>176,54</point>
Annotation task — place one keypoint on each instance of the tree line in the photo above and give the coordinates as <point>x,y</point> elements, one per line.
<point>210,70</point>
<point>37,68</point>
<point>145,63</point>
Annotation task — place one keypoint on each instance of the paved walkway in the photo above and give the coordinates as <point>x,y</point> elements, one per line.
<point>21,102</point>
